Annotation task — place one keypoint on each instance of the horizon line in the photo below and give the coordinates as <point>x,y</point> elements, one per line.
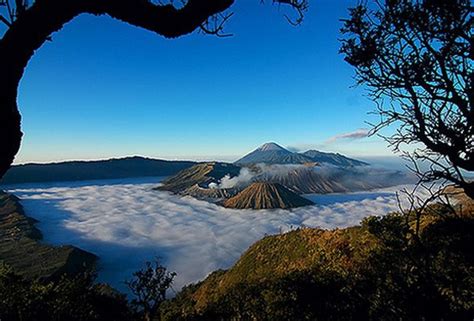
<point>210,158</point>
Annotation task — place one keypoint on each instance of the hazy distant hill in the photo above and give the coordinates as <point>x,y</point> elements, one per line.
<point>308,180</point>
<point>335,159</point>
<point>272,153</point>
<point>88,170</point>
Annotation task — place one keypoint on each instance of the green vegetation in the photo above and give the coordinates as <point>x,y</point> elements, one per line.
<point>20,247</point>
<point>149,286</point>
<point>73,298</point>
<point>80,298</point>
<point>397,267</point>
<point>380,270</point>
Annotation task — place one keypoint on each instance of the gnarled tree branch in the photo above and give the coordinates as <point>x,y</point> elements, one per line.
<point>30,26</point>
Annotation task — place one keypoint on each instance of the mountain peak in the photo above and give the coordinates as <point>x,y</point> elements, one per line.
<point>332,158</point>
<point>272,153</point>
<point>261,195</point>
<point>271,147</point>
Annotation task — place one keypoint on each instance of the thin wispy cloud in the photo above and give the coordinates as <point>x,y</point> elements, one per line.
<point>354,135</point>
<point>350,136</point>
<point>127,224</point>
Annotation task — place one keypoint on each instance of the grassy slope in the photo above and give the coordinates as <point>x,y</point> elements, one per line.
<point>297,251</point>
<point>20,247</point>
<point>278,256</point>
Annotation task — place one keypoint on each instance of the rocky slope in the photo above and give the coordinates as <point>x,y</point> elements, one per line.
<point>201,174</point>
<point>203,181</point>
<point>209,194</point>
<point>261,195</point>
<point>20,246</point>
<point>272,153</point>
<point>318,180</point>
<point>335,159</point>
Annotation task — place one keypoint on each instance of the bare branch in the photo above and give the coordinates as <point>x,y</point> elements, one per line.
<point>300,7</point>
<point>215,25</point>
<point>416,60</point>
<point>5,21</point>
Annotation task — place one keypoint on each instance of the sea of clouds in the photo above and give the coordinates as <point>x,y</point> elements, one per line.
<point>126,223</point>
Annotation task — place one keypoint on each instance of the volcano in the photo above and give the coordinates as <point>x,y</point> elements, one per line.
<point>261,195</point>
<point>272,153</point>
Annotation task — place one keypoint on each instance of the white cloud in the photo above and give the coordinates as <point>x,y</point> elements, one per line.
<point>126,224</point>
<point>356,134</point>
<point>245,176</point>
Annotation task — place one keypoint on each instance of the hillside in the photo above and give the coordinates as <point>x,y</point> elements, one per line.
<point>318,180</point>
<point>262,195</point>
<point>201,174</point>
<point>272,153</point>
<point>332,159</point>
<point>343,274</point>
<point>91,170</point>
<point>20,246</point>
<point>209,194</point>
<point>275,256</point>
<point>202,181</point>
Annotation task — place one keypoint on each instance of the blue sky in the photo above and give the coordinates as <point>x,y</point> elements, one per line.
<point>103,88</point>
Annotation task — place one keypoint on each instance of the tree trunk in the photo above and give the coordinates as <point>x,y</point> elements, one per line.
<point>10,135</point>
<point>35,25</point>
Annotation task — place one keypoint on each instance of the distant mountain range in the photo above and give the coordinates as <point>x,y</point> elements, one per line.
<point>203,181</point>
<point>272,153</point>
<point>274,177</point>
<point>90,170</point>
<point>321,180</point>
<point>129,167</point>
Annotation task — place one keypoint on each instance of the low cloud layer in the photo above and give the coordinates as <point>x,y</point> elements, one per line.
<point>126,224</point>
<point>357,134</point>
<point>352,178</point>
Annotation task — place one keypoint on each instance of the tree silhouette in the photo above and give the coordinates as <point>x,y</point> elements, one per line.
<point>29,25</point>
<point>149,286</point>
<point>416,58</point>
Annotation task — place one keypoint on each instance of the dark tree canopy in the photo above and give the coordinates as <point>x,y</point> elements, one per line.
<point>149,286</point>
<point>31,23</point>
<point>416,58</point>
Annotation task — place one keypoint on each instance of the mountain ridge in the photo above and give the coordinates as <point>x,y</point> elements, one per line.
<point>333,158</point>
<point>272,153</point>
<point>22,247</point>
<point>126,167</point>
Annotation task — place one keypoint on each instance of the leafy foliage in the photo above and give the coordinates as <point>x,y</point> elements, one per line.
<point>149,286</point>
<point>377,271</point>
<point>70,299</point>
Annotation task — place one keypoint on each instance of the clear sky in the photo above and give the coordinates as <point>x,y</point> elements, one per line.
<point>103,88</point>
